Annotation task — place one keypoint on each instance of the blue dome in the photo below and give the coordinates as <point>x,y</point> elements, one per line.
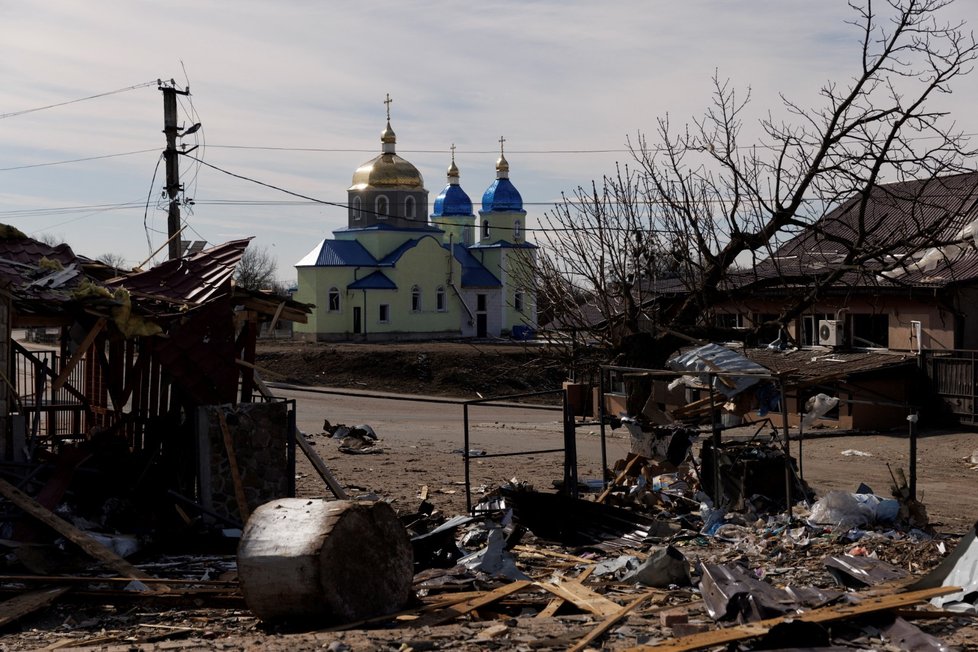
<point>502,195</point>
<point>452,201</point>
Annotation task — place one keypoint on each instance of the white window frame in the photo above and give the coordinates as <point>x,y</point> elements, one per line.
<point>384,313</point>
<point>518,300</point>
<point>517,230</point>
<point>334,292</point>
<point>441,303</point>
<point>416,299</point>
<point>356,209</point>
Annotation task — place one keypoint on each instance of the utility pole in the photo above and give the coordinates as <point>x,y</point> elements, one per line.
<point>171,156</point>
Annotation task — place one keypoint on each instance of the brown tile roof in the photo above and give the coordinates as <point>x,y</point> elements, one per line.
<point>919,218</point>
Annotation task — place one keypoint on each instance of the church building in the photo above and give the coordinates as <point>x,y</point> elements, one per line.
<point>392,273</point>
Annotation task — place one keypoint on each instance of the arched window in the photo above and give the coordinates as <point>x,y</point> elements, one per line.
<point>518,301</point>
<point>517,231</point>
<point>440,300</point>
<point>415,299</point>
<point>356,209</point>
<point>334,300</point>
<point>409,208</point>
<point>485,229</point>
<point>382,207</point>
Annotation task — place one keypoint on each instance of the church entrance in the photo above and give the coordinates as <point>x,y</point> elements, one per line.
<point>357,316</point>
<point>481,319</point>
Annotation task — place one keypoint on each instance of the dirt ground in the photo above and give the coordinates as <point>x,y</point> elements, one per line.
<point>421,440</point>
<point>420,444</point>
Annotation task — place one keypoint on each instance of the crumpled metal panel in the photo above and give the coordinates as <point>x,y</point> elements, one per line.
<point>730,593</point>
<point>960,568</point>
<point>860,572</point>
<point>194,279</point>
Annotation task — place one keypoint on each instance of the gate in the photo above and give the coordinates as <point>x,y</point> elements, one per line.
<point>954,377</point>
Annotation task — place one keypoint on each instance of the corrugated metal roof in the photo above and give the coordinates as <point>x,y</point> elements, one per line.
<point>338,253</point>
<point>192,280</point>
<point>474,273</point>
<point>373,281</point>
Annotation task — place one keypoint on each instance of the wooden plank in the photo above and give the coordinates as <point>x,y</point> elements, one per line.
<point>621,476</point>
<point>557,603</point>
<point>16,608</point>
<point>320,466</point>
<point>239,494</point>
<point>610,622</point>
<point>91,547</point>
<point>274,322</point>
<point>582,597</point>
<point>824,614</point>
<point>453,612</point>
<point>79,353</point>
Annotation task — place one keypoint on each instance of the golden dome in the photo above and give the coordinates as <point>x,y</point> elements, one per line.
<point>388,135</point>
<point>387,171</point>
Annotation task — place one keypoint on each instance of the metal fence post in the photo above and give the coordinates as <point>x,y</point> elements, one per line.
<point>570,449</point>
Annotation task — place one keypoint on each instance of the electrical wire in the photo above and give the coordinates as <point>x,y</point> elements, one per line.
<point>152,184</point>
<point>81,99</point>
<point>78,160</point>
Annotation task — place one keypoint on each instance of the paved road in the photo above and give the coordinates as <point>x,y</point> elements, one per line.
<point>421,439</point>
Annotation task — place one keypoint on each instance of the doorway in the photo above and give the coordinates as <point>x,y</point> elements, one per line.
<point>357,318</point>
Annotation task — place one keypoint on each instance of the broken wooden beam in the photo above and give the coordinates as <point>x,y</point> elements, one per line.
<point>610,621</point>
<point>17,607</point>
<point>320,466</point>
<point>91,547</point>
<point>582,597</point>
<point>453,612</point>
<point>821,615</point>
<point>78,354</point>
<point>239,493</point>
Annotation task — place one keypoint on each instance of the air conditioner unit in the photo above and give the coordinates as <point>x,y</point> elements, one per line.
<point>831,332</point>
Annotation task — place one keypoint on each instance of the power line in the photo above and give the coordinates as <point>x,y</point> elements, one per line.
<point>342,150</point>
<point>80,99</point>
<point>78,160</point>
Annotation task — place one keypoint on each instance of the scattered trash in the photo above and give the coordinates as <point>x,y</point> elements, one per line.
<point>851,452</point>
<point>845,510</point>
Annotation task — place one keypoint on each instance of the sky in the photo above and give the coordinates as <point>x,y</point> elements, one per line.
<point>291,93</point>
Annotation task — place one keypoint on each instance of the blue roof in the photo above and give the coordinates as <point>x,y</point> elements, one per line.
<point>373,281</point>
<point>387,227</point>
<point>474,273</point>
<point>502,195</point>
<point>335,253</point>
<point>394,256</point>
<point>452,201</point>
<point>502,244</point>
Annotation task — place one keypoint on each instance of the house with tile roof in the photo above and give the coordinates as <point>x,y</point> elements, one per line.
<point>394,273</point>
<point>915,285</point>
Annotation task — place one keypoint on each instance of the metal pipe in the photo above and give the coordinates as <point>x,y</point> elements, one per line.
<point>788,481</point>
<point>601,418</point>
<point>465,457</point>
<point>717,492</point>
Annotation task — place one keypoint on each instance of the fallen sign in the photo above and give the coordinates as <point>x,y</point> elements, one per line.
<point>822,615</point>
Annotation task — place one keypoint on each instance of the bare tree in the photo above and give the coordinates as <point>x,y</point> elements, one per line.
<point>708,203</point>
<point>116,261</point>
<point>256,270</point>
